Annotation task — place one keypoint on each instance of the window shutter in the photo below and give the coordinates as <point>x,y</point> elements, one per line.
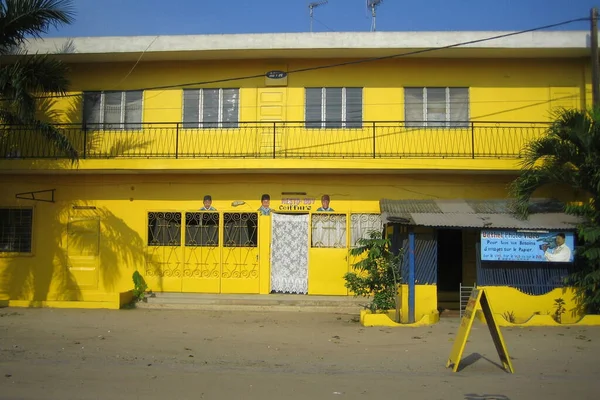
<point>354,107</point>
<point>92,102</point>
<point>459,107</point>
<point>413,107</point>
<point>333,107</point>
<point>191,108</point>
<point>231,105</point>
<point>436,106</point>
<point>313,107</point>
<point>210,108</point>
<point>133,109</point>
<point>112,110</point>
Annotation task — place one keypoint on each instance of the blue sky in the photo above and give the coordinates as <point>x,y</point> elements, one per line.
<point>175,17</point>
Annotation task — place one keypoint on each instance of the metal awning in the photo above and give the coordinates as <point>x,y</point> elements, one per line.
<point>489,214</point>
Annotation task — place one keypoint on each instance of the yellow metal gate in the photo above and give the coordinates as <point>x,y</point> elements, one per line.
<point>207,252</point>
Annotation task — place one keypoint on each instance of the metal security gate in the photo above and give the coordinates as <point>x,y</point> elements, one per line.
<point>239,265</point>
<point>202,254</point>
<point>164,255</point>
<point>207,252</point>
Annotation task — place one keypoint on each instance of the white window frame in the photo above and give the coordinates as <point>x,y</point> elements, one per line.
<point>122,117</point>
<point>201,109</point>
<point>324,105</point>
<point>448,123</point>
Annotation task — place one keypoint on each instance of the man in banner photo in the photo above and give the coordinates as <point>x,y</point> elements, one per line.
<point>561,253</point>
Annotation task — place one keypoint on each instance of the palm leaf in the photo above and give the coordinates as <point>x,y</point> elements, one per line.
<point>20,19</point>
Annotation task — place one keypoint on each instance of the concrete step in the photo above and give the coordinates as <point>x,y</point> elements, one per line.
<point>270,302</point>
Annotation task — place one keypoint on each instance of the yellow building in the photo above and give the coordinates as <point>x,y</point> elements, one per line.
<point>339,120</point>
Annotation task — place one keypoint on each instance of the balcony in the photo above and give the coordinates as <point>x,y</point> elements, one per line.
<point>279,140</point>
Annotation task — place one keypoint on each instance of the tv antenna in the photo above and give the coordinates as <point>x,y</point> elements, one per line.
<point>372,6</point>
<point>312,6</point>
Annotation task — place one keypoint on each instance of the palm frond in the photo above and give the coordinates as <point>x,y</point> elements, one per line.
<point>34,74</point>
<point>49,131</point>
<point>22,18</point>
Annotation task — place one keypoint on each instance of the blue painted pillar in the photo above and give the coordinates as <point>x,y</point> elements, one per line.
<point>411,277</point>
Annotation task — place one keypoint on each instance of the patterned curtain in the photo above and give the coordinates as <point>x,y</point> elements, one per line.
<point>289,254</point>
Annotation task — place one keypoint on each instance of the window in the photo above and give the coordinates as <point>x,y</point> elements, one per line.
<point>201,229</point>
<point>361,226</point>
<point>333,107</point>
<point>113,110</point>
<point>211,108</point>
<point>436,107</point>
<point>329,230</point>
<point>240,230</point>
<point>164,229</point>
<point>16,229</point>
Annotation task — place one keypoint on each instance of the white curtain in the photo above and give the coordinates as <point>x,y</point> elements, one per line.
<point>362,224</point>
<point>289,253</point>
<point>329,230</point>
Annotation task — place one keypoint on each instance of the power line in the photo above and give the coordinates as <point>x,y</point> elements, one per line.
<point>346,63</point>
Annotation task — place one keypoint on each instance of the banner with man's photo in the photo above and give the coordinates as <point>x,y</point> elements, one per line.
<point>500,245</point>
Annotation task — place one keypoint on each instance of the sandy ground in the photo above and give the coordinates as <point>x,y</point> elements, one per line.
<point>153,354</point>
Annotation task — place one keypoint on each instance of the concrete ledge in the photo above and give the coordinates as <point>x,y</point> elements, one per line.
<point>249,308</point>
<point>369,319</point>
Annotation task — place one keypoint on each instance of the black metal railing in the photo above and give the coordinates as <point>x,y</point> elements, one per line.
<point>278,140</point>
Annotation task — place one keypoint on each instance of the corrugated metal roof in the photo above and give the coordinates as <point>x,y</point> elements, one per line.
<point>476,214</point>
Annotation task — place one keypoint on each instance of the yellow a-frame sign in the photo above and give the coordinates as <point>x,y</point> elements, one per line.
<point>478,296</point>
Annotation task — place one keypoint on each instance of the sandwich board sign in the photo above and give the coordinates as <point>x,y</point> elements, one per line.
<point>478,296</point>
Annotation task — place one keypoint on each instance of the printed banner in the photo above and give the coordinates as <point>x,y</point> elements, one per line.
<point>527,246</point>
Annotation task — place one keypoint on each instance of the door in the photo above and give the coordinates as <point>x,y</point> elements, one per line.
<point>289,253</point>
<point>202,254</point>
<point>239,265</point>
<point>328,254</point>
<point>83,247</point>
<point>164,258</point>
<point>271,110</point>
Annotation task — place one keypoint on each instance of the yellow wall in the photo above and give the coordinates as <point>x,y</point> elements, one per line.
<point>425,301</point>
<point>59,269</point>
<point>501,90</point>
<point>507,302</point>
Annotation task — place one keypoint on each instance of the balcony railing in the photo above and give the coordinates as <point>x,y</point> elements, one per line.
<point>278,140</point>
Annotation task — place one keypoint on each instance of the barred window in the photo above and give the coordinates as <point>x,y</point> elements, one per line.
<point>211,108</point>
<point>361,226</point>
<point>164,229</point>
<point>446,107</point>
<point>329,230</point>
<point>333,107</point>
<point>201,229</point>
<point>240,229</point>
<point>16,225</point>
<point>114,110</point>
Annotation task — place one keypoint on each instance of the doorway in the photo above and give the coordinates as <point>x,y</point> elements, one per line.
<point>449,268</point>
<point>289,253</point>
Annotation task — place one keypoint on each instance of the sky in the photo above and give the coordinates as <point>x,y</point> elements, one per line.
<point>194,17</point>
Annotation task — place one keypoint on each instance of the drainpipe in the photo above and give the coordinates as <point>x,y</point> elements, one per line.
<point>411,276</point>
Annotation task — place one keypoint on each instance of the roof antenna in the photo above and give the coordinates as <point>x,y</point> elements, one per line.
<point>312,6</point>
<point>372,6</point>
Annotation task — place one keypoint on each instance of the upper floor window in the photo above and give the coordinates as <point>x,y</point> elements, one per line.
<point>436,107</point>
<point>211,108</point>
<point>16,226</point>
<point>333,107</point>
<point>113,110</point>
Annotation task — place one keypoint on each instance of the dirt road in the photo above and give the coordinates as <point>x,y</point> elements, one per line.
<point>149,354</point>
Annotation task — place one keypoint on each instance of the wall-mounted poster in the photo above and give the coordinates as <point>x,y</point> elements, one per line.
<point>527,246</point>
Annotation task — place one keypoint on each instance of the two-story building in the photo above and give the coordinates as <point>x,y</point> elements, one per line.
<point>253,163</point>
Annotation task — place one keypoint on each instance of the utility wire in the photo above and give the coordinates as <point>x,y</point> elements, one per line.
<point>354,62</point>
